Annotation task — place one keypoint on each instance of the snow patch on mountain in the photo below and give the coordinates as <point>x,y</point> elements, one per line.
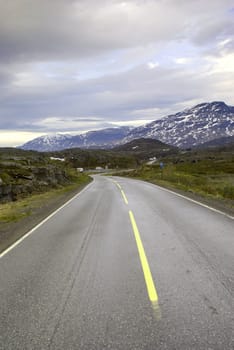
<point>189,128</point>
<point>105,138</point>
<point>202,123</point>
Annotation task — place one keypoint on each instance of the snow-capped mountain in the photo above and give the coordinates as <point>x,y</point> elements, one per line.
<point>191,127</point>
<point>105,138</point>
<point>47,142</point>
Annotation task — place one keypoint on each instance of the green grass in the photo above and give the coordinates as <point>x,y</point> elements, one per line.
<point>210,178</point>
<point>15,211</point>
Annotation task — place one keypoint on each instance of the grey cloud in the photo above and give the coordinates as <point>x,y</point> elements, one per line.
<point>213,31</point>
<point>227,47</point>
<point>111,98</point>
<point>76,32</point>
<point>60,29</point>
<point>5,79</point>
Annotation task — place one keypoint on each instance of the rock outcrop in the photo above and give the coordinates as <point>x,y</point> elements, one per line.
<point>17,180</point>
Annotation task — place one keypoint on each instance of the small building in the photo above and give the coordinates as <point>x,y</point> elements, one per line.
<point>60,159</point>
<point>80,170</point>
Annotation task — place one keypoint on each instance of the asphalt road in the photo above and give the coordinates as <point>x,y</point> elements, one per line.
<point>124,265</point>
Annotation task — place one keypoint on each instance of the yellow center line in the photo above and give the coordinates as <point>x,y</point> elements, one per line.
<point>124,197</point>
<point>153,296</point>
<point>122,192</point>
<point>117,184</point>
<point>152,293</point>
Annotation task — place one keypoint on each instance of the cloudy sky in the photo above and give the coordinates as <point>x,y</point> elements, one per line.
<point>78,65</point>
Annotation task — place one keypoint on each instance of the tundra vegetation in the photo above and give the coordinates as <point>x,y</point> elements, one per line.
<point>208,173</point>
<point>30,179</point>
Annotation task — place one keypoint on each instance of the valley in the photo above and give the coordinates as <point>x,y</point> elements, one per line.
<point>41,175</point>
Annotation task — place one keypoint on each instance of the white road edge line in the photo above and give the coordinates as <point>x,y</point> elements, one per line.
<point>7,250</point>
<point>187,198</point>
<point>193,201</point>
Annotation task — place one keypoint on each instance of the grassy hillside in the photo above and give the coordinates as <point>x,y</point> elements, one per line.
<point>144,149</point>
<point>227,141</point>
<point>125,156</point>
<point>23,173</point>
<point>90,159</point>
<point>207,173</point>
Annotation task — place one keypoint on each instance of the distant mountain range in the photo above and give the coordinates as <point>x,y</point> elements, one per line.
<point>189,128</point>
<point>105,138</point>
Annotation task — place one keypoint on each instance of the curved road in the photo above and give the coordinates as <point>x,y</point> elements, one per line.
<point>124,265</point>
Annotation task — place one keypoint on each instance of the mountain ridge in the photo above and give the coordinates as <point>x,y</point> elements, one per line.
<point>189,128</point>
<point>104,138</point>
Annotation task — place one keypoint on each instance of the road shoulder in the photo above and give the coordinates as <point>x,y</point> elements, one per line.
<point>11,232</point>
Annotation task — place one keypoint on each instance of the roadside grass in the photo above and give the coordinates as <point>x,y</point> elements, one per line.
<point>15,211</point>
<point>208,178</point>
